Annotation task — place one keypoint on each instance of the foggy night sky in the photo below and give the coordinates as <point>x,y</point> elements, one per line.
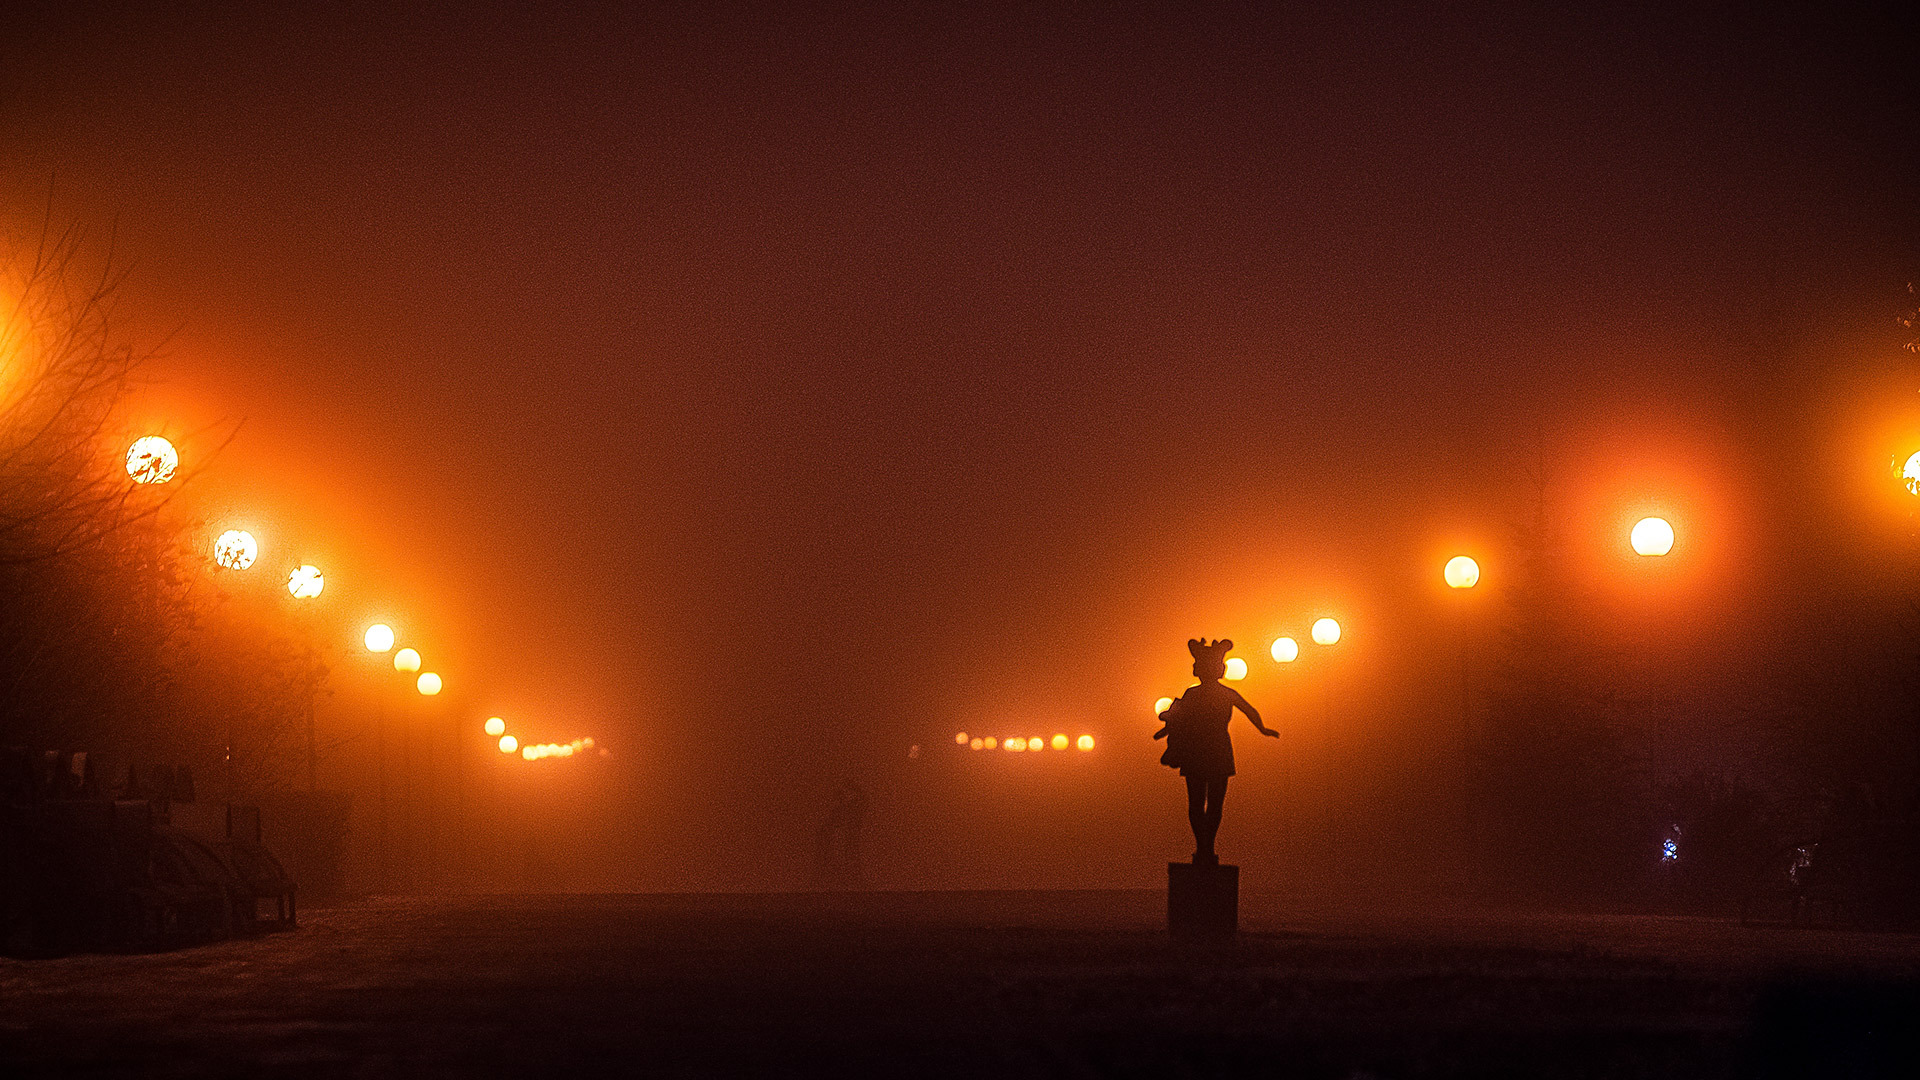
<point>762,393</point>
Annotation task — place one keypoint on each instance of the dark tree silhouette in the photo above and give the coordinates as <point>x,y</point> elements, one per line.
<point>1555,805</point>
<point>114,635</point>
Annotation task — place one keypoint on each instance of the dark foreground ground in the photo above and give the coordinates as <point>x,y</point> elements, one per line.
<point>967,984</point>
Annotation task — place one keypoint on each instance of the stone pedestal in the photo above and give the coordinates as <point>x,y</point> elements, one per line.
<point>1203,900</point>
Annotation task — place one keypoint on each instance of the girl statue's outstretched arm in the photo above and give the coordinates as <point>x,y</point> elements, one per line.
<point>1253,714</point>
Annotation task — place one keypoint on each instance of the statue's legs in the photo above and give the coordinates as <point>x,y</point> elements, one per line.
<point>1204,796</point>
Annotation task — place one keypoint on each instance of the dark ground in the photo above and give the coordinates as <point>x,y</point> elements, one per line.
<point>966,984</point>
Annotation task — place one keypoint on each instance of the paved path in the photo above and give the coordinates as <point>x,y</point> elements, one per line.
<point>958,984</point>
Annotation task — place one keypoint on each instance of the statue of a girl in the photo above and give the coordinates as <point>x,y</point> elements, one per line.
<point>1198,744</point>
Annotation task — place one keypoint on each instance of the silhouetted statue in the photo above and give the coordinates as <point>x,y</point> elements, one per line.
<point>1198,744</point>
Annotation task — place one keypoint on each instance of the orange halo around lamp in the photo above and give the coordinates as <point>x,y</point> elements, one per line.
<point>407,660</point>
<point>1651,536</point>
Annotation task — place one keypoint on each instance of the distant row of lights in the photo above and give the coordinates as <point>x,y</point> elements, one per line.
<point>153,460</point>
<point>1651,537</point>
<point>1018,744</point>
<point>1324,631</point>
<point>380,638</point>
<point>497,727</point>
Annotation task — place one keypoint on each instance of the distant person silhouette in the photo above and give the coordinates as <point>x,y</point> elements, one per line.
<point>1198,743</point>
<point>837,857</point>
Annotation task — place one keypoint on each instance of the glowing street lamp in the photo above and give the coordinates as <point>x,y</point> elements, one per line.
<point>1286,650</point>
<point>1085,742</point>
<point>508,744</point>
<point>1652,536</point>
<point>379,637</point>
<point>496,726</point>
<point>1236,669</point>
<point>1162,705</point>
<point>1910,475</point>
<point>406,661</point>
<point>235,550</point>
<point>151,460</point>
<point>428,683</point>
<point>1326,632</point>
<point>1462,572</point>
<point>306,582</point>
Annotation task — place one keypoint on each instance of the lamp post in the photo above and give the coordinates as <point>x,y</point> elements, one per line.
<point>234,550</point>
<point>1326,634</point>
<point>1462,573</point>
<point>305,584</point>
<point>379,640</point>
<point>1652,538</point>
<point>429,684</point>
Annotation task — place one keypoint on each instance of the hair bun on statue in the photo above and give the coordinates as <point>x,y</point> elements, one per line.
<point>1203,650</point>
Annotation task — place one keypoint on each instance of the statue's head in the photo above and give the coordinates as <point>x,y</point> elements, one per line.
<point>1209,658</point>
